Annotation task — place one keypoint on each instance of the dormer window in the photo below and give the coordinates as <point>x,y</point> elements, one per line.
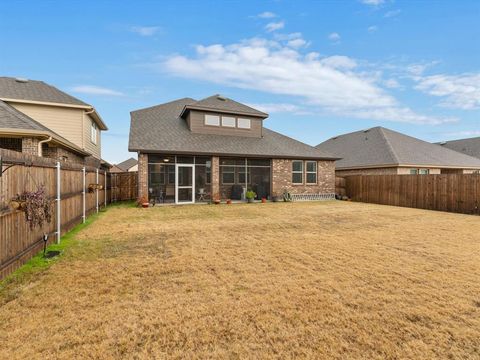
<point>243,123</point>
<point>228,121</point>
<point>212,120</point>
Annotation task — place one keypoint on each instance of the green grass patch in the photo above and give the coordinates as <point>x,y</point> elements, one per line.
<point>38,264</point>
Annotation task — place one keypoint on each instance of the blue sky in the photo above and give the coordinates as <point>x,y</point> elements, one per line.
<point>319,68</point>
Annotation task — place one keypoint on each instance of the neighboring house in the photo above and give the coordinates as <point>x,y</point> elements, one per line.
<point>470,146</point>
<point>38,119</point>
<point>217,148</point>
<point>382,151</point>
<point>129,165</point>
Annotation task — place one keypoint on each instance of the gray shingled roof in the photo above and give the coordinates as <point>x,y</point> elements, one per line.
<point>33,90</point>
<point>160,129</point>
<point>221,103</point>
<point>379,146</point>
<point>127,164</point>
<point>469,146</point>
<point>13,119</point>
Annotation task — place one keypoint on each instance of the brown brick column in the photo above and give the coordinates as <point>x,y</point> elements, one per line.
<point>215,178</point>
<point>30,146</point>
<point>142,175</point>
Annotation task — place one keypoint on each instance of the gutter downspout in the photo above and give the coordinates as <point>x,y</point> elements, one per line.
<point>40,151</point>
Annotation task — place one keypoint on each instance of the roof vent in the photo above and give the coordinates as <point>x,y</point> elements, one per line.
<point>335,138</point>
<point>220,97</point>
<point>21,80</point>
<point>365,131</point>
<point>443,143</point>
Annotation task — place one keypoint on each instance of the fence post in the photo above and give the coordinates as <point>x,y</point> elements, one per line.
<point>96,192</point>
<point>59,207</point>
<point>83,195</point>
<point>105,188</point>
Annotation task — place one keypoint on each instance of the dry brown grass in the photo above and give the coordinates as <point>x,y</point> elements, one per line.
<point>309,280</point>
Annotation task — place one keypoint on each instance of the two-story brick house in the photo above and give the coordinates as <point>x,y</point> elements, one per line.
<point>39,119</point>
<point>216,148</point>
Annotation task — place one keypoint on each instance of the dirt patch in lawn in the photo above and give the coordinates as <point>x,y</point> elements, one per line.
<point>310,280</point>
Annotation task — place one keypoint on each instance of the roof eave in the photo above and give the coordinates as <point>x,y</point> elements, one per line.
<point>187,108</point>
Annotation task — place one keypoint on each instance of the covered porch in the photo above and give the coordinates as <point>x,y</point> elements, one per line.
<point>187,179</point>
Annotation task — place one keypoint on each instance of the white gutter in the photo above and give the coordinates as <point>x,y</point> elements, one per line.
<point>40,150</point>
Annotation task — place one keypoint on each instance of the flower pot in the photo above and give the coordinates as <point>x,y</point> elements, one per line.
<point>229,202</point>
<point>264,200</point>
<point>250,200</point>
<point>145,205</point>
<point>216,202</point>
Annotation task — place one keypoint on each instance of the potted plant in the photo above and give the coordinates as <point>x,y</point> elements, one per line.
<point>143,202</point>
<point>264,200</point>
<point>200,183</point>
<point>216,201</point>
<point>250,196</point>
<point>229,201</point>
<point>37,206</point>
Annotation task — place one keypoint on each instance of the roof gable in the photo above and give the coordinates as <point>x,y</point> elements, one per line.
<point>222,104</point>
<point>379,146</point>
<point>33,90</point>
<point>127,164</point>
<point>161,129</point>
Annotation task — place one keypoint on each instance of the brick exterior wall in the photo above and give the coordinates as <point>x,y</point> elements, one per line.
<point>61,154</point>
<point>142,175</point>
<point>14,144</point>
<point>30,146</point>
<point>282,178</point>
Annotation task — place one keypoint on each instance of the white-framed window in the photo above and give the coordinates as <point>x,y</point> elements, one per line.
<point>93,132</point>
<point>413,171</point>
<point>311,172</point>
<point>297,172</point>
<point>244,123</point>
<point>212,120</point>
<point>424,171</point>
<point>228,121</point>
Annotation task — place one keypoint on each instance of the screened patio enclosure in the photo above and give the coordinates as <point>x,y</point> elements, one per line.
<point>237,175</point>
<point>188,179</point>
<point>179,179</point>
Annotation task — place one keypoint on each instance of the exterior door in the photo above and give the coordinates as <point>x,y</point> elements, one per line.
<point>184,184</point>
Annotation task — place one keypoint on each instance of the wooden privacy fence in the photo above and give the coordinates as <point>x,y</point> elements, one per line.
<point>66,184</point>
<point>124,186</point>
<point>340,185</point>
<point>459,193</point>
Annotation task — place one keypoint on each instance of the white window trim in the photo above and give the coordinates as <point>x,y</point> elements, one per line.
<point>229,117</point>
<point>244,127</point>
<point>311,172</point>
<point>298,172</point>
<point>211,116</point>
<point>93,133</point>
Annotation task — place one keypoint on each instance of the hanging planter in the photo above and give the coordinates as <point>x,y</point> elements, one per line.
<point>36,205</point>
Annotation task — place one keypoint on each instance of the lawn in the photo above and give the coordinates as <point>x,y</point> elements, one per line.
<point>283,280</point>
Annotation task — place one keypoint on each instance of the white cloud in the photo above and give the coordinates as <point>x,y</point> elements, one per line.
<point>466,133</point>
<point>334,37</point>
<point>280,108</point>
<point>274,26</point>
<point>373,2</point>
<point>96,90</point>
<point>323,83</point>
<point>145,30</point>
<point>458,91</point>
<point>392,13</point>
<point>266,15</point>
<point>372,29</point>
<point>297,43</point>
<point>392,84</point>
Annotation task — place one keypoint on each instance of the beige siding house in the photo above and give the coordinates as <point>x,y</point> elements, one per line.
<point>381,151</point>
<point>216,148</point>
<point>40,119</point>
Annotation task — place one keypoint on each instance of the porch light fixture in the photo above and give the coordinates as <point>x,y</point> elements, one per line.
<point>166,160</point>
